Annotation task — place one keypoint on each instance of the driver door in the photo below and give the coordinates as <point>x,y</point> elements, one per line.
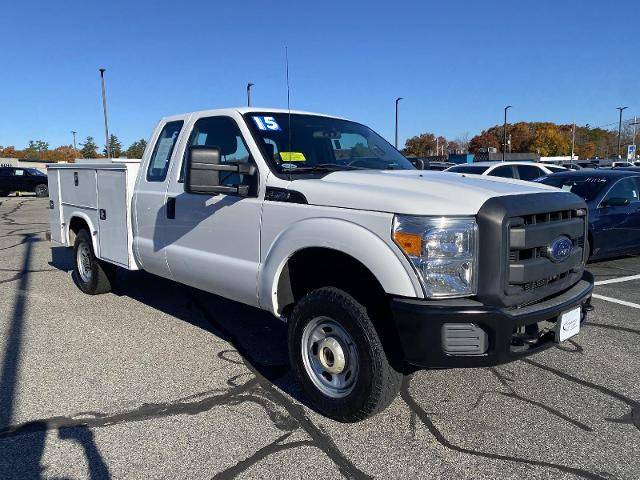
<point>620,226</point>
<point>213,240</point>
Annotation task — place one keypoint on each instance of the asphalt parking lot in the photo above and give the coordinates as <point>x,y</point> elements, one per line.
<point>158,380</point>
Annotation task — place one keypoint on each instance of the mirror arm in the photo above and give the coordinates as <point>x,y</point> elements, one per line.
<point>242,168</point>
<point>246,169</point>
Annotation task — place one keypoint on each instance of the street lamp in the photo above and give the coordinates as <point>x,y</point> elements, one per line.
<point>104,110</point>
<point>75,149</point>
<point>249,85</point>
<point>620,127</point>
<point>634,124</point>
<point>504,143</point>
<point>573,140</point>
<point>397,101</point>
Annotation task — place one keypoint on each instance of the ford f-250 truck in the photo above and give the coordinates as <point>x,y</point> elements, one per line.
<point>376,266</point>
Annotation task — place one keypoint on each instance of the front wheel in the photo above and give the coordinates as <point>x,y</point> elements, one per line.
<point>41,190</point>
<point>339,358</point>
<point>91,275</point>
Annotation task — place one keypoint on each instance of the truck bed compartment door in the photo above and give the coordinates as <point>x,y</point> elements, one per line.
<point>112,216</point>
<point>55,209</point>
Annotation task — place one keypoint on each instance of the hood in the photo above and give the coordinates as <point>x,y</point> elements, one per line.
<point>411,192</point>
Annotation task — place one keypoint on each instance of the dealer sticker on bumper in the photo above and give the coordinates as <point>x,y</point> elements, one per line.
<point>569,324</point>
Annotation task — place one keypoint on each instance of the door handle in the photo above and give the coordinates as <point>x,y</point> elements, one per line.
<point>171,208</point>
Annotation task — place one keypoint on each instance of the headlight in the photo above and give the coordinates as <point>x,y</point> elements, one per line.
<point>443,251</point>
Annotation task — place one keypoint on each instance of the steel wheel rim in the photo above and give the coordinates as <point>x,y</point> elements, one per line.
<point>83,261</point>
<point>330,357</point>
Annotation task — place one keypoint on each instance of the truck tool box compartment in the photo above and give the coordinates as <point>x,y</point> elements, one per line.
<point>99,192</point>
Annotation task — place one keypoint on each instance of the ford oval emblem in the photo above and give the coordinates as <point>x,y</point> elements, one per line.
<point>560,249</point>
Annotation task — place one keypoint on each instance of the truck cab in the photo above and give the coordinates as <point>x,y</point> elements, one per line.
<point>376,266</point>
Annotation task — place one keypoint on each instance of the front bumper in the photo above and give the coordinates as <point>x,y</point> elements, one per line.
<point>420,327</point>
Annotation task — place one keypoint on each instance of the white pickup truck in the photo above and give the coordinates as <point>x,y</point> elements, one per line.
<point>376,266</point>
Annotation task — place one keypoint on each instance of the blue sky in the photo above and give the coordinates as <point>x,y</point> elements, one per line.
<point>456,63</point>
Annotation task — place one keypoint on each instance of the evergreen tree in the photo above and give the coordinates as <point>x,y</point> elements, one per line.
<point>136,150</point>
<point>115,147</point>
<point>89,148</point>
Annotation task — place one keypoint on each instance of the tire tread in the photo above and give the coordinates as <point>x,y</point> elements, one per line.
<point>385,381</point>
<point>104,273</point>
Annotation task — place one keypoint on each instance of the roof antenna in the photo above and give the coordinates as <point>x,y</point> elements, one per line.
<point>286,61</point>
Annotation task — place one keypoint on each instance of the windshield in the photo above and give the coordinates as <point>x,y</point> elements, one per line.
<point>476,169</point>
<point>585,187</point>
<point>305,143</point>
<point>35,171</point>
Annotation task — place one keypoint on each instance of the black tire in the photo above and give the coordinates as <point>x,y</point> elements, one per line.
<point>41,190</point>
<point>101,274</point>
<point>377,382</point>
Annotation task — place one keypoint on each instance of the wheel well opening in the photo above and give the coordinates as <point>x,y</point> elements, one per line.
<point>75,225</point>
<point>314,268</point>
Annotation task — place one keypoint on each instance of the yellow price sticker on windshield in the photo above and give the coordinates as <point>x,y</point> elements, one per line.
<point>292,157</point>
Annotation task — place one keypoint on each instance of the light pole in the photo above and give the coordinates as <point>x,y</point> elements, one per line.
<point>573,140</point>
<point>104,109</point>
<point>620,128</point>
<point>504,144</point>
<point>249,85</point>
<point>397,101</point>
<point>75,149</point>
<point>634,124</point>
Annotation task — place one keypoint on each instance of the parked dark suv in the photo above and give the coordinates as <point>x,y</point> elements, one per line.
<point>18,179</point>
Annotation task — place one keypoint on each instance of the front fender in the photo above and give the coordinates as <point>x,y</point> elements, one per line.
<point>385,261</point>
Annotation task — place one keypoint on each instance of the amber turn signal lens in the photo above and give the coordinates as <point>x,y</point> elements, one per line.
<point>410,243</point>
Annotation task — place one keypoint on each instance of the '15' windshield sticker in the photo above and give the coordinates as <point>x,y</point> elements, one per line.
<point>267,123</point>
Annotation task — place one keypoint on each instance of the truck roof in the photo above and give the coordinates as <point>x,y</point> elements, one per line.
<point>243,110</point>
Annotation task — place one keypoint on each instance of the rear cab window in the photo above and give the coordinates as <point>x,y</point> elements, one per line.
<point>162,151</point>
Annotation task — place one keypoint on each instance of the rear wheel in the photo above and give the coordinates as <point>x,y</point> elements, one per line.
<point>339,358</point>
<point>91,275</point>
<point>41,190</point>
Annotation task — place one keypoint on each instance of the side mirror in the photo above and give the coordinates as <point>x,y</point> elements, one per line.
<point>419,163</point>
<point>615,202</point>
<point>203,169</point>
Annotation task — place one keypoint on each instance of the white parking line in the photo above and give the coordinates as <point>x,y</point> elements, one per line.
<point>615,300</point>
<point>618,280</point>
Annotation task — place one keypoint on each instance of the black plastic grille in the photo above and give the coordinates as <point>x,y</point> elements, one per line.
<point>523,257</point>
<point>514,233</point>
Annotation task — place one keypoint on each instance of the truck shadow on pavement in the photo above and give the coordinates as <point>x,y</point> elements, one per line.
<point>259,343</point>
<point>21,451</point>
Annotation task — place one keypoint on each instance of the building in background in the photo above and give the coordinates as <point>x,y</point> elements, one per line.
<point>18,162</point>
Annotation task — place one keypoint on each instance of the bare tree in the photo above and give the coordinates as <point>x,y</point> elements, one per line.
<point>463,141</point>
